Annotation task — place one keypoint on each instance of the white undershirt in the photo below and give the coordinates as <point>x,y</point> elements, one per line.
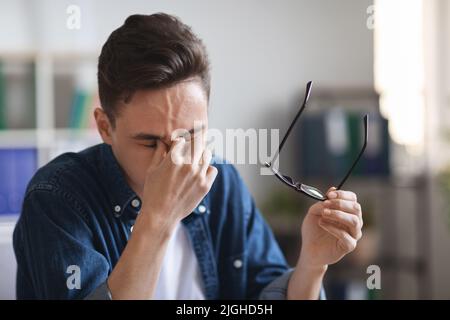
<point>180,276</point>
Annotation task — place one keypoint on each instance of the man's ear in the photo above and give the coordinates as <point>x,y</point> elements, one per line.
<point>104,126</point>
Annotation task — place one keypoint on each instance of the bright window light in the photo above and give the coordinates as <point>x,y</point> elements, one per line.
<point>399,69</point>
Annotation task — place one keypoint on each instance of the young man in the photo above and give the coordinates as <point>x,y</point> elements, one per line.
<point>149,213</point>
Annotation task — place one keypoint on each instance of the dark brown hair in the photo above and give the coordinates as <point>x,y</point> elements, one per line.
<point>149,52</point>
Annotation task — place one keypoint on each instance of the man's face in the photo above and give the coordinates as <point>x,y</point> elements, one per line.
<point>148,121</point>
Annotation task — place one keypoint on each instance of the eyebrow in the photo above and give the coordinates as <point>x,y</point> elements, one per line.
<point>149,136</point>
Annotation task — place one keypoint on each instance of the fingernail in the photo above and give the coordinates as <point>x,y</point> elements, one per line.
<point>332,195</point>
<point>327,203</point>
<point>326,211</point>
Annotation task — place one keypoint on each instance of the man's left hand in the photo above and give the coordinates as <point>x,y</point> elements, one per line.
<point>331,229</point>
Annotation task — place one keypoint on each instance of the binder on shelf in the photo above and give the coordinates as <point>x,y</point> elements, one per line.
<point>17,167</point>
<point>317,153</point>
<point>76,110</point>
<point>312,138</point>
<point>376,157</point>
<point>83,103</point>
<point>83,96</point>
<point>355,134</point>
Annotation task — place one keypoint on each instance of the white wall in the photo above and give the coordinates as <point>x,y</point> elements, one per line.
<point>14,15</point>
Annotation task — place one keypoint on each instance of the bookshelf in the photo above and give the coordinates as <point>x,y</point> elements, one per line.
<point>38,121</point>
<point>46,104</point>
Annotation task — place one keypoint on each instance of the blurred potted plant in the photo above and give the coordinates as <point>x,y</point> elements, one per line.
<point>284,209</point>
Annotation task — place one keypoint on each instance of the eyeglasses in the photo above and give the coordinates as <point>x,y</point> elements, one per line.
<point>310,191</point>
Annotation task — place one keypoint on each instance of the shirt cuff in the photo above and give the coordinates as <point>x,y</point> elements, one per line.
<point>102,292</point>
<point>277,289</point>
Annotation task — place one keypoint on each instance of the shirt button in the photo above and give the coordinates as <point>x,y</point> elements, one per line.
<point>117,208</point>
<point>135,203</point>
<point>201,208</point>
<point>237,263</point>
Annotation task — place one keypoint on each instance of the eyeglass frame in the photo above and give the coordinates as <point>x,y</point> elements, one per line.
<point>298,186</point>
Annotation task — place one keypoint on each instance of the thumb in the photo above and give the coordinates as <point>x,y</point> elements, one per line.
<point>331,189</point>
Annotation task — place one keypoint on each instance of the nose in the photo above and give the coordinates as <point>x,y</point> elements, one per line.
<point>166,145</point>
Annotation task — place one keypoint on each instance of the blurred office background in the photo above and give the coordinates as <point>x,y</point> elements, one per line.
<point>388,58</point>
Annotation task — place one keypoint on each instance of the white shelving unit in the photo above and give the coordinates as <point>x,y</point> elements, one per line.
<point>47,130</point>
<point>47,136</point>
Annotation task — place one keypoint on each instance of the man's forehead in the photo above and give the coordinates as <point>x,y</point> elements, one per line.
<point>150,133</point>
<point>161,112</point>
<point>168,106</point>
<point>188,93</point>
<point>165,124</point>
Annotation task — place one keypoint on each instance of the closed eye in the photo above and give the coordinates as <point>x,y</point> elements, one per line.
<point>152,144</point>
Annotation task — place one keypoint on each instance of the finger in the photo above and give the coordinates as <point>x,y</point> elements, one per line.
<point>211,174</point>
<point>176,151</point>
<point>345,241</point>
<point>206,160</point>
<point>350,221</point>
<point>344,205</point>
<point>209,145</point>
<point>197,147</point>
<point>341,194</point>
<point>331,189</point>
<point>317,208</point>
<point>158,156</point>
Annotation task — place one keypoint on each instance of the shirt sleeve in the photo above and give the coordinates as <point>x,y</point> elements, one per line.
<point>56,258</point>
<point>268,270</point>
<point>102,292</point>
<point>277,289</point>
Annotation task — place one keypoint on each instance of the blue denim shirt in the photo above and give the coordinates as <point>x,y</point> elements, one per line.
<point>78,211</point>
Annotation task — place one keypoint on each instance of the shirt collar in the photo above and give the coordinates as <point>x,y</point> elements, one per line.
<point>122,195</point>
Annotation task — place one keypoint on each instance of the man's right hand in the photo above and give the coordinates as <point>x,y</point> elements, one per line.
<point>173,187</point>
<point>177,182</point>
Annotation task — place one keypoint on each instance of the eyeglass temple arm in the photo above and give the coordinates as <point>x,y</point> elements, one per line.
<point>366,136</point>
<point>307,94</point>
